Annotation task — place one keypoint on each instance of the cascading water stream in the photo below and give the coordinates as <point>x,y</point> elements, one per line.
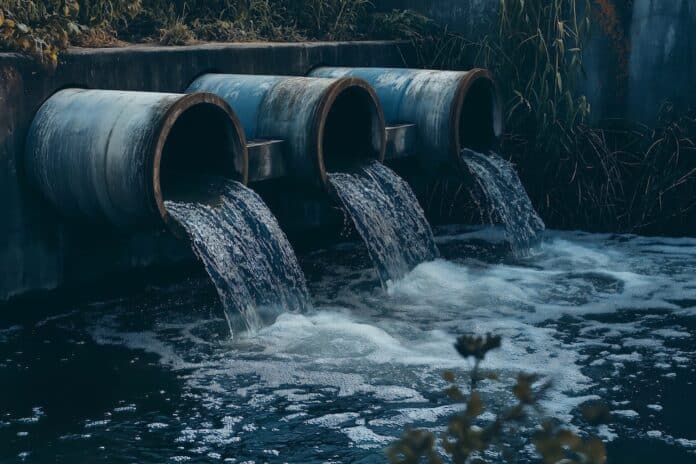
<point>245,253</point>
<point>505,199</point>
<point>387,216</point>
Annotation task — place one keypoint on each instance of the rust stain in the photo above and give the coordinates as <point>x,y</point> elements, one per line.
<point>608,17</point>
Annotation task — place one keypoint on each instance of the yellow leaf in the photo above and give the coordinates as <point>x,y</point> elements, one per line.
<point>52,56</point>
<point>454,393</point>
<point>559,82</point>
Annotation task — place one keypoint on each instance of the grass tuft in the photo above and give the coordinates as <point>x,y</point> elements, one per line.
<point>177,33</point>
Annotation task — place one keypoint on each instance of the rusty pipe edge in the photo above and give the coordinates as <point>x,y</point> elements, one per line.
<point>452,110</point>
<point>327,124</point>
<point>116,156</point>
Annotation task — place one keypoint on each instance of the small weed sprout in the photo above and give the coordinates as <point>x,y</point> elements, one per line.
<point>466,442</point>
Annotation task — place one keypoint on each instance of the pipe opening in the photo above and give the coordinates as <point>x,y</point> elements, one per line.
<point>203,144</point>
<point>353,130</point>
<point>479,124</point>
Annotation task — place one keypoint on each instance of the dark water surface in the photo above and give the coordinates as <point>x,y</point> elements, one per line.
<point>153,376</point>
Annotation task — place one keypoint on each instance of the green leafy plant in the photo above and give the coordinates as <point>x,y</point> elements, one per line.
<point>40,28</point>
<point>464,441</point>
<point>403,24</point>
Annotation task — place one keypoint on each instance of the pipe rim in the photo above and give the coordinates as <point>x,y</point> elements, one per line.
<point>175,111</point>
<point>465,84</point>
<point>334,90</point>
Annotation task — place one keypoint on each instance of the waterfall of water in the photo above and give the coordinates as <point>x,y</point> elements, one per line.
<point>387,216</point>
<point>504,199</point>
<point>246,255</point>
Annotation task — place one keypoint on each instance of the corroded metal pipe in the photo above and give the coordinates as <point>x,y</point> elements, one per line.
<point>452,110</point>
<point>326,124</point>
<point>115,156</point>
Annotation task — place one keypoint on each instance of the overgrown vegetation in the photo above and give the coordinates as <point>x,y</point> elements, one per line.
<point>44,28</point>
<point>612,175</point>
<point>467,439</point>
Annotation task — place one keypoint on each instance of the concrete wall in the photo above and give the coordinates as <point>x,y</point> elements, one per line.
<point>663,56</point>
<point>38,249</point>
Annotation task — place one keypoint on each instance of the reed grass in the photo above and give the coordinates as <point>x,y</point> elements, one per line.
<point>610,176</point>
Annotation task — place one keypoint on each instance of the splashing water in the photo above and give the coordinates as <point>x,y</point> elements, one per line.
<point>601,315</point>
<point>246,255</point>
<point>387,216</point>
<point>504,199</point>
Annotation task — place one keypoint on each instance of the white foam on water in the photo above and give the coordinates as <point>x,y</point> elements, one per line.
<point>408,416</point>
<point>386,350</point>
<point>671,333</point>
<point>334,420</point>
<point>364,437</point>
<point>626,413</point>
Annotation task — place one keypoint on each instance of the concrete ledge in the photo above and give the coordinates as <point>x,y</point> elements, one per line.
<point>38,250</point>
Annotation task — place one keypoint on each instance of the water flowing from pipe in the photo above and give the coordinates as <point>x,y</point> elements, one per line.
<point>387,216</point>
<point>503,198</point>
<point>246,255</point>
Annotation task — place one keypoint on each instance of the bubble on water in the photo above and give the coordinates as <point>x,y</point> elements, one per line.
<point>587,312</point>
<point>364,437</point>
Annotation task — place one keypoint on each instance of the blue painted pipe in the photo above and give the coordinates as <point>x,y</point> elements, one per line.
<point>452,110</point>
<point>327,124</point>
<point>115,157</point>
